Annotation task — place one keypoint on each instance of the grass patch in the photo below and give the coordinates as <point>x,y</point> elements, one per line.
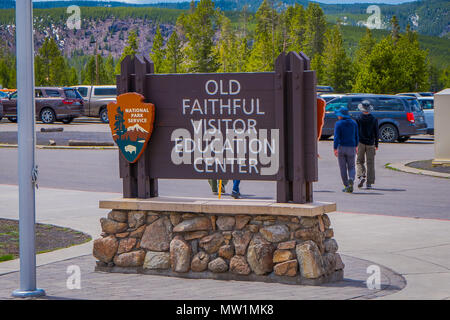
<point>6,257</point>
<point>48,238</point>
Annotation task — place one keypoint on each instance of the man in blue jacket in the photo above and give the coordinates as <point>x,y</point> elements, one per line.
<point>346,146</point>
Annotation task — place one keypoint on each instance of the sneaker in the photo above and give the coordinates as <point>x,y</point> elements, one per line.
<point>235,195</point>
<point>369,186</point>
<point>361,182</point>
<point>350,186</point>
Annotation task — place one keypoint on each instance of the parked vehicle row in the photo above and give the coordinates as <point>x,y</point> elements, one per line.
<point>399,117</point>
<point>52,104</point>
<point>62,103</point>
<point>96,98</point>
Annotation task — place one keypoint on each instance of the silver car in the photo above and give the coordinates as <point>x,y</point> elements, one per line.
<point>427,104</point>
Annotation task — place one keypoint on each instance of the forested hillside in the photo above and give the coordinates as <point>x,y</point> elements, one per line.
<point>106,33</point>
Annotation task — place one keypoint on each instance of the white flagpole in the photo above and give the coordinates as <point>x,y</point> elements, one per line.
<point>27,143</point>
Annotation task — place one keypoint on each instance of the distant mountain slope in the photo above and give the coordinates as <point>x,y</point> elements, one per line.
<point>106,29</point>
<point>429,17</point>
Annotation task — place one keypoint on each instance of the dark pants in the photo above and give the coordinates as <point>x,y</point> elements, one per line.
<point>236,184</point>
<point>214,185</point>
<point>346,159</point>
<point>366,157</point>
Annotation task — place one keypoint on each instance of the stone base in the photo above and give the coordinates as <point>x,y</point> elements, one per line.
<point>222,240</point>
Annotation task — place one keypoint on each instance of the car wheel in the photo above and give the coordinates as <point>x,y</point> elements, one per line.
<point>12,119</point>
<point>67,120</point>
<point>324,137</point>
<point>403,139</point>
<point>388,133</point>
<point>104,115</point>
<point>48,116</point>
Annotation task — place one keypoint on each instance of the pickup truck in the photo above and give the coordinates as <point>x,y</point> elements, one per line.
<point>52,104</point>
<point>96,98</point>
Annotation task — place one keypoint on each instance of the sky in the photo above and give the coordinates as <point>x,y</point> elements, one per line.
<point>322,1</point>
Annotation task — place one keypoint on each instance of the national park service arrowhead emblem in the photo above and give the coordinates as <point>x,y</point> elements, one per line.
<point>131,122</point>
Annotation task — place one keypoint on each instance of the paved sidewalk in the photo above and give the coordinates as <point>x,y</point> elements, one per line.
<point>417,249</point>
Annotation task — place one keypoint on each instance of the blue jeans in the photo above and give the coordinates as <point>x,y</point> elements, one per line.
<point>236,184</point>
<point>346,159</point>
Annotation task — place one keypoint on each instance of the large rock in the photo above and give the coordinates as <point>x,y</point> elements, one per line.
<point>309,222</point>
<point>313,234</point>
<point>117,215</point>
<point>195,235</point>
<point>329,262</point>
<point>282,256</point>
<point>195,224</point>
<point>111,226</point>
<point>105,248</point>
<point>239,265</point>
<point>276,233</point>
<point>287,245</point>
<point>157,236</point>
<point>138,232</point>
<point>136,219</point>
<point>226,251</point>
<point>241,239</point>
<point>218,265</point>
<point>339,264</point>
<point>211,243</point>
<point>241,221</point>
<point>331,246</point>
<point>288,268</point>
<point>260,255</point>
<point>125,245</point>
<point>225,223</point>
<point>309,260</point>
<point>157,260</point>
<point>200,262</point>
<point>180,255</point>
<point>130,259</point>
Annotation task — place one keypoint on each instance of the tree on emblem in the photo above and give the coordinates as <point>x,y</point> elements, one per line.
<point>119,125</point>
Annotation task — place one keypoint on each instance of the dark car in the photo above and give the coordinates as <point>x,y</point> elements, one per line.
<point>399,117</point>
<point>52,104</point>
<point>324,89</point>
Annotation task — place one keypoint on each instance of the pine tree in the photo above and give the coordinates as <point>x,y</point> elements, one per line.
<point>227,47</point>
<point>395,30</point>
<point>174,55</point>
<point>265,49</point>
<point>199,27</point>
<point>130,49</point>
<point>51,68</point>
<point>337,66</point>
<point>297,28</point>
<point>315,29</point>
<point>158,54</point>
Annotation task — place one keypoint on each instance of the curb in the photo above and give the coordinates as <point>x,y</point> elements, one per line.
<point>64,147</point>
<point>402,166</point>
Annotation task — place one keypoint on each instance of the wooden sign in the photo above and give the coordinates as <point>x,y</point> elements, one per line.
<point>235,126</point>
<point>131,122</point>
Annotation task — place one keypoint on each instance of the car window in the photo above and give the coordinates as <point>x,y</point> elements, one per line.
<point>105,91</point>
<point>356,101</point>
<point>13,95</point>
<point>427,104</point>
<point>71,94</point>
<point>38,93</point>
<point>415,106</point>
<point>389,104</point>
<point>83,91</point>
<point>3,94</point>
<point>337,104</point>
<point>53,93</point>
